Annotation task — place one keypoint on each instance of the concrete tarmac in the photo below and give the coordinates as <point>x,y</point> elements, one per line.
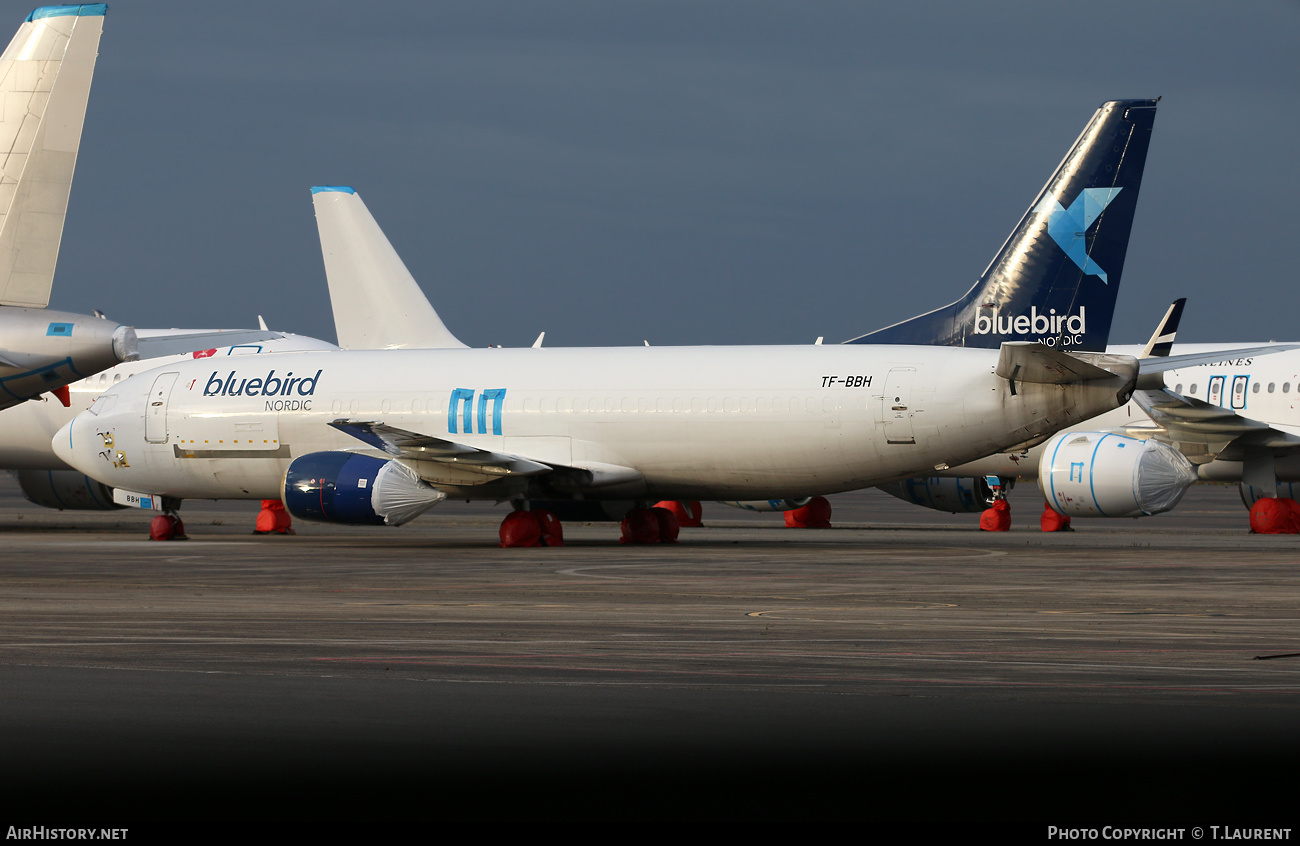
<point>901,665</point>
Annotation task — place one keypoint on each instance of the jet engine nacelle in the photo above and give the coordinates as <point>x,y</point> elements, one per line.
<point>65,490</point>
<point>46,349</point>
<point>1251,494</point>
<point>347,487</point>
<point>1102,474</point>
<point>767,504</point>
<point>956,496</point>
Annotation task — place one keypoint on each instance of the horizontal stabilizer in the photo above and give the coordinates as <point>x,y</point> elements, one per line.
<point>377,303</point>
<point>1027,361</point>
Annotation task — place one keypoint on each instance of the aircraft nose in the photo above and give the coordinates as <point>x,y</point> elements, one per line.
<point>63,444</point>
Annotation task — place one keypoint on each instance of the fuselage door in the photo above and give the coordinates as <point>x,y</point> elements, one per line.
<point>1216,390</point>
<point>155,418</point>
<point>1239,391</point>
<point>896,406</point>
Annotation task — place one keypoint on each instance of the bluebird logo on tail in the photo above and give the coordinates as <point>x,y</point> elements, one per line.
<point>1074,233</point>
<point>1067,226</point>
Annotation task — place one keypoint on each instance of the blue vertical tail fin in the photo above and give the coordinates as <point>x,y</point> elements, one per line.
<point>1056,278</point>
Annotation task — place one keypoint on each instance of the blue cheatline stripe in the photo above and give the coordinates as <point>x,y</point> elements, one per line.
<point>1051,477</point>
<point>1092,479</point>
<point>85,10</point>
<point>325,189</point>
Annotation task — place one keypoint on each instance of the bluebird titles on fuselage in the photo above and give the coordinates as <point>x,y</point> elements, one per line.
<point>269,385</point>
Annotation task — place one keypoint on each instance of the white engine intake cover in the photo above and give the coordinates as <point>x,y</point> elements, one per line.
<point>1102,474</point>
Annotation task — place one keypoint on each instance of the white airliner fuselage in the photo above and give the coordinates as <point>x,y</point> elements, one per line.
<point>700,422</point>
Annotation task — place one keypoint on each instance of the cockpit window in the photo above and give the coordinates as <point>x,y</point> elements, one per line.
<point>102,403</point>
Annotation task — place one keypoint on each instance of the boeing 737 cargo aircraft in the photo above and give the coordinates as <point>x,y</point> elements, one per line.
<point>380,436</point>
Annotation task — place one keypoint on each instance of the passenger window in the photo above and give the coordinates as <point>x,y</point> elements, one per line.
<point>1271,386</point>
<point>1255,389</point>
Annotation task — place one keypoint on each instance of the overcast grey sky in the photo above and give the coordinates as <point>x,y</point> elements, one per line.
<point>684,172</point>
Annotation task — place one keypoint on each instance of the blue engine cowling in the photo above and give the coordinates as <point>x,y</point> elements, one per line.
<point>942,493</point>
<point>767,504</point>
<point>65,489</point>
<point>346,487</point>
<point>333,487</point>
<point>1251,495</point>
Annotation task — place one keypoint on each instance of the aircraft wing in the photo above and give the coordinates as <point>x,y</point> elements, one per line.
<point>1028,361</point>
<point>1160,364</point>
<point>413,446</point>
<point>156,346</point>
<point>439,461</point>
<point>1204,431</point>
